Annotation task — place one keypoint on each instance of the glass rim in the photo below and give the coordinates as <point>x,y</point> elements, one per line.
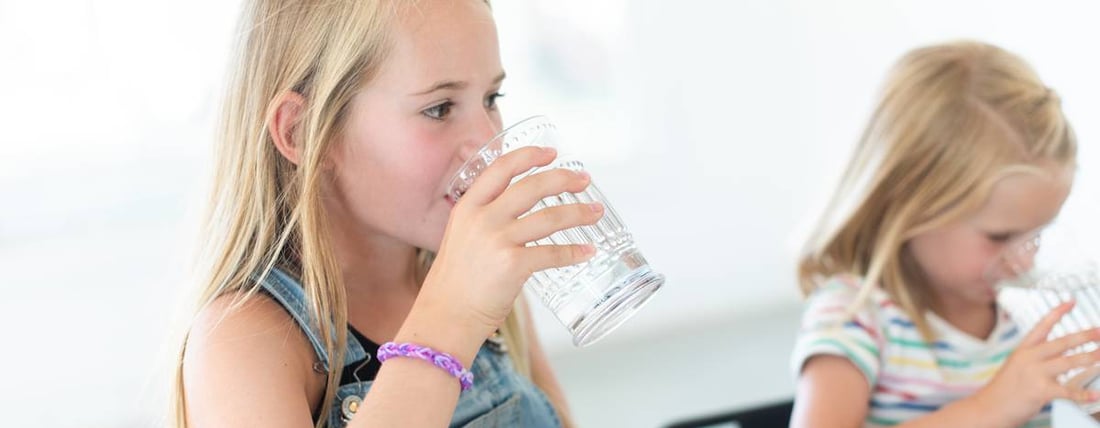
<point>1078,276</point>
<point>1027,244</point>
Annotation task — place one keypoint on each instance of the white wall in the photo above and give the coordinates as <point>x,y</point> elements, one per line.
<point>715,127</point>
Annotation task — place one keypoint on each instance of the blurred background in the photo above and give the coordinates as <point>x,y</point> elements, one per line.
<point>717,129</point>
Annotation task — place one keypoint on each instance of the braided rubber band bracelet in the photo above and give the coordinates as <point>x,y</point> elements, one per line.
<point>442,360</point>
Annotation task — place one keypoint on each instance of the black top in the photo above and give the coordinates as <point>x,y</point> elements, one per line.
<point>366,371</point>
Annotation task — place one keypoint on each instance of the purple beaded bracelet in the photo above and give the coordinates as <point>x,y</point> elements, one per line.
<point>442,360</point>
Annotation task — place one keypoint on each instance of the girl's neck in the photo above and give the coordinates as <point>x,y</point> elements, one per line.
<point>382,279</point>
<point>370,261</point>
<point>380,274</point>
<point>376,264</point>
<point>976,320</point>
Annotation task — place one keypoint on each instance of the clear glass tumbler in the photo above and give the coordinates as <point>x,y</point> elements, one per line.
<point>594,297</point>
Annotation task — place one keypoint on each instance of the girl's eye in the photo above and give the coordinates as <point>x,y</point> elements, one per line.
<point>438,111</point>
<point>491,100</point>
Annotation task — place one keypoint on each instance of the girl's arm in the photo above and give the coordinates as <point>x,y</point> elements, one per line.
<point>831,392</point>
<point>253,366</point>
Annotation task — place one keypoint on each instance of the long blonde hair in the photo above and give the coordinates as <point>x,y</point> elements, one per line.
<point>265,212</point>
<point>952,120</point>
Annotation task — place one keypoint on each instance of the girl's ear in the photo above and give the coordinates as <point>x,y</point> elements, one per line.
<point>282,121</point>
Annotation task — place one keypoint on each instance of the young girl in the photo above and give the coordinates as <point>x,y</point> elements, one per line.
<point>967,154</point>
<point>331,234</point>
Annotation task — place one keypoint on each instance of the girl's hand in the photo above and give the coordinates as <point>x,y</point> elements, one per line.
<point>1028,379</point>
<point>483,260</point>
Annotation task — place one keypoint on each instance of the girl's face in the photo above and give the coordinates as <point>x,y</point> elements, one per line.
<point>957,258</point>
<point>432,104</point>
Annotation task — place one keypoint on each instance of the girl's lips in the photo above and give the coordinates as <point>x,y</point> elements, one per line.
<point>451,200</point>
<point>990,290</point>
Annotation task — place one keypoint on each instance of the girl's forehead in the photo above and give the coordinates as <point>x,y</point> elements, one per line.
<point>444,40</point>
<point>1026,200</point>
<point>440,21</point>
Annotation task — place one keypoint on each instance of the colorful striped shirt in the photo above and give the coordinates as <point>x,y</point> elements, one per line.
<point>908,376</point>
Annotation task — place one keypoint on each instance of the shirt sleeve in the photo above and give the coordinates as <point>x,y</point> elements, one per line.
<point>829,327</point>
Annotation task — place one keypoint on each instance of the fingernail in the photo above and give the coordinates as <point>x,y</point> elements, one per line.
<point>595,207</point>
<point>550,150</point>
<point>1093,395</point>
<point>584,175</point>
<point>588,249</point>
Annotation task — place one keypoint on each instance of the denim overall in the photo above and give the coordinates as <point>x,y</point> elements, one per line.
<point>500,397</point>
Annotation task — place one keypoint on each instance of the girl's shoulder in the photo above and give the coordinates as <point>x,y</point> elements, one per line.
<point>248,344</point>
<point>848,288</point>
<point>242,316</point>
<point>840,299</point>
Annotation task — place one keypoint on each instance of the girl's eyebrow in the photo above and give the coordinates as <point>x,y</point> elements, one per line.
<point>453,84</point>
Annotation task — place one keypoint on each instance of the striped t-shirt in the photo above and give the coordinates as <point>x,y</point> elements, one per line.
<point>909,377</point>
